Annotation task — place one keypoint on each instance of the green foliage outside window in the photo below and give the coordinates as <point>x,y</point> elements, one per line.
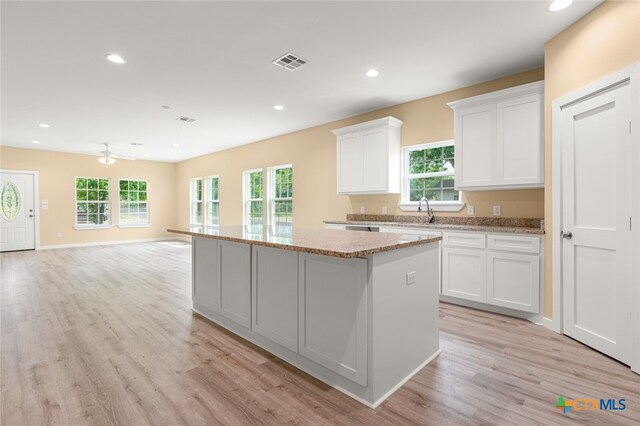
<point>92,201</point>
<point>283,199</point>
<point>439,161</point>
<point>133,202</point>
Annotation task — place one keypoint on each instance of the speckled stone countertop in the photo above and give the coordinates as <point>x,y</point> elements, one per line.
<point>328,242</point>
<point>449,223</point>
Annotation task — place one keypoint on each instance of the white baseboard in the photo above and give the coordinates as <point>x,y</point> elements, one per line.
<point>551,324</point>
<point>106,243</point>
<point>534,318</point>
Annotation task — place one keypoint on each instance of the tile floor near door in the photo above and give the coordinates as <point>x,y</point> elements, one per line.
<point>105,335</point>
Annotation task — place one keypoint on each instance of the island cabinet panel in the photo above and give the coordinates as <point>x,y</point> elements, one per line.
<point>275,295</point>
<point>333,314</point>
<point>235,281</point>
<point>205,289</point>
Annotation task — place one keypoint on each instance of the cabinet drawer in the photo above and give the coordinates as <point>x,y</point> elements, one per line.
<point>514,243</point>
<point>460,239</point>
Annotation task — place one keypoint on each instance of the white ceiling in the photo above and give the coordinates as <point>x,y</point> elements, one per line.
<point>212,61</point>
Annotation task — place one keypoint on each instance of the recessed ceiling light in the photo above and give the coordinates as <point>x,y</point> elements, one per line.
<point>176,144</point>
<point>278,107</point>
<point>372,72</point>
<point>44,125</point>
<point>557,5</point>
<point>36,142</point>
<point>136,144</point>
<point>165,106</point>
<point>115,58</point>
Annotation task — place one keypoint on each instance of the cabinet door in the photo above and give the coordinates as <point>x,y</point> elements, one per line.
<point>350,163</point>
<point>333,315</point>
<point>514,281</point>
<point>234,266</point>
<point>464,273</point>
<point>475,146</point>
<point>205,275</point>
<point>375,159</point>
<point>520,147</point>
<point>275,295</point>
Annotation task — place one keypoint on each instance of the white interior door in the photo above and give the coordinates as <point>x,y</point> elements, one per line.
<point>596,211</point>
<point>17,212</point>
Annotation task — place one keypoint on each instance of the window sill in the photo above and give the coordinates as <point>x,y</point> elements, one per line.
<point>436,206</point>
<point>91,227</point>
<point>133,225</point>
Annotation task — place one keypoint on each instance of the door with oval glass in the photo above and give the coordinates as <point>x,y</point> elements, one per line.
<point>17,211</point>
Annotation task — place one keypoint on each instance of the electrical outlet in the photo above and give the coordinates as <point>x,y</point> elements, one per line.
<point>384,209</point>
<point>497,211</point>
<point>361,209</point>
<point>471,210</point>
<point>411,278</point>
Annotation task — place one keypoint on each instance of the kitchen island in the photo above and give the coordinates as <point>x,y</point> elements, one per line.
<point>357,310</point>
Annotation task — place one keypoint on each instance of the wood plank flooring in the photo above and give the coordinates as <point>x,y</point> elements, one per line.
<point>105,335</point>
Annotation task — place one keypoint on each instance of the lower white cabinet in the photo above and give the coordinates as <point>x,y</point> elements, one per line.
<point>333,314</point>
<point>274,286</point>
<point>205,291</point>
<point>464,273</point>
<point>513,281</point>
<point>234,267</point>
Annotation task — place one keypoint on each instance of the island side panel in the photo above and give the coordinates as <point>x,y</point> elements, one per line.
<point>205,287</point>
<point>404,315</point>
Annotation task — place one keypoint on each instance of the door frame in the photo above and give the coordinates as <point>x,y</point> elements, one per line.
<point>36,199</point>
<point>632,74</point>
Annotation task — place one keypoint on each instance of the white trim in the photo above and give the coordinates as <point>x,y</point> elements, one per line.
<point>134,225</point>
<point>205,199</point>
<point>91,227</point>
<point>535,318</point>
<point>36,200</point>
<point>191,200</point>
<point>631,73</point>
<point>402,382</point>
<point>105,243</point>
<point>436,206</point>
<point>245,200</point>
<point>388,121</point>
<point>552,325</point>
<point>522,90</point>
<point>271,198</point>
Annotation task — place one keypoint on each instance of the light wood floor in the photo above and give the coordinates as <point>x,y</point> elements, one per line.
<point>105,335</point>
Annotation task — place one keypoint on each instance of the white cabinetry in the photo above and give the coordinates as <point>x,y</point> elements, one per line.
<point>513,280</point>
<point>206,288</point>
<point>234,267</point>
<point>463,273</point>
<point>499,139</point>
<point>368,157</point>
<point>275,295</point>
<point>333,316</point>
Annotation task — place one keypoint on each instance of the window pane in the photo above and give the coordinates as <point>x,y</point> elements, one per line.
<point>124,185</point>
<point>142,185</point>
<point>196,213</point>
<point>124,195</point>
<point>103,196</point>
<point>447,182</point>
<point>81,194</point>
<point>103,183</point>
<point>133,185</point>
<point>93,195</point>
<point>213,213</point>
<point>433,153</point>
<point>142,196</point>
<point>255,188</point>
<point>92,183</point>
<point>450,195</point>
<point>133,196</point>
<point>81,183</point>
<point>434,182</point>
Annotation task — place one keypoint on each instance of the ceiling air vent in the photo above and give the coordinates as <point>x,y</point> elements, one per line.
<point>290,62</point>
<point>186,120</point>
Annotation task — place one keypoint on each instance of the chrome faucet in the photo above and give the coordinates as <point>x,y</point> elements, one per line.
<point>429,210</point>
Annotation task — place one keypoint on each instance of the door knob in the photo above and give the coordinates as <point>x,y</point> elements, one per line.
<point>30,215</point>
<point>566,235</point>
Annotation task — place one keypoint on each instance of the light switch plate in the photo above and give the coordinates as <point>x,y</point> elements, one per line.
<point>361,209</point>
<point>384,209</point>
<point>471,210</point>
<point>497,211</point>
<point>411,278</point>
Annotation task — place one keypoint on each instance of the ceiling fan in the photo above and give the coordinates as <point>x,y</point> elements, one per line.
<point>106,157</point>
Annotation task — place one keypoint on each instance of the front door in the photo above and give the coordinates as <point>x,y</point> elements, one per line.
<point>596,221</point>
<point>17,211</point>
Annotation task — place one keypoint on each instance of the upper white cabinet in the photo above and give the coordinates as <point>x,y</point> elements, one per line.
<point>499,139</point>
<point>369,157</point>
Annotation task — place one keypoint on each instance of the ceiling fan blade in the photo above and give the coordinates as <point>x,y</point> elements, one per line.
<point>123,158</point>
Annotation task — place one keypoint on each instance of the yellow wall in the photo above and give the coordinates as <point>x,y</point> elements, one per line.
<point>602,42</point>
<point>313,155</point>
<point>57,172</point>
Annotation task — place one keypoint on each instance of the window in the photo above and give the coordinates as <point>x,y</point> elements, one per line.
<point>429,172</point>
<point>253,200</point>
<point>281,198</point>
<point>92,202</point>
<point>134,207</point>
<point>196,201</point>
<point>213,201</point>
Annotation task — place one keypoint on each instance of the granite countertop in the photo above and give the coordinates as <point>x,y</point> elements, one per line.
<point>506,225</point>
<point>328,242</point>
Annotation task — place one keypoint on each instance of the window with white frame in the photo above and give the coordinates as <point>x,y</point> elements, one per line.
<point>195,196</point>
<point>281,198</point>
<point>134,203</point>
<point>92,202</point>
<point>253,193</point>
<point>212,200</point>
<point>429,172</point>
